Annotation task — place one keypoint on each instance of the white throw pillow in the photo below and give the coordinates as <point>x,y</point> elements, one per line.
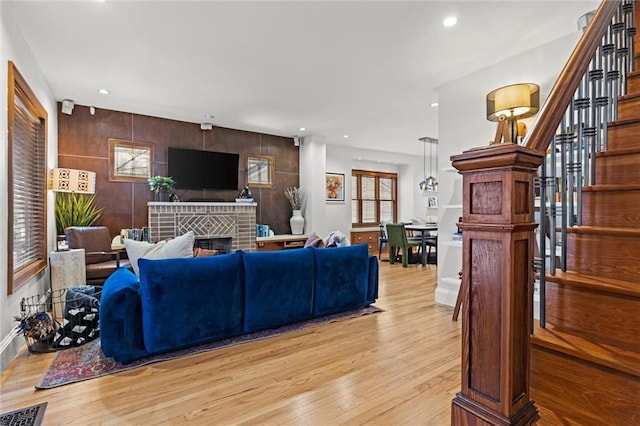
<point>181,246</point>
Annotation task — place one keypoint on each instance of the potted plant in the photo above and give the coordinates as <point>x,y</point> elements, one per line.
<point>294,196</point>
<point>75,210</point>
<point>163,187</point>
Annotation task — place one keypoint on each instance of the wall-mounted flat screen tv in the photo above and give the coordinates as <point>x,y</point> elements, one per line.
<point>195,169</point>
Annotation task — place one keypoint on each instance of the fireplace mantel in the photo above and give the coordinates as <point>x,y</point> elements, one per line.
<point>207,221</point>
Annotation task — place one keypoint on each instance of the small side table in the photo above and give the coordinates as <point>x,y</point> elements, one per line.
<point>67,269</point>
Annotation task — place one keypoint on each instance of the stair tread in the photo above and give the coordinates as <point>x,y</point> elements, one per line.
<point>604,230</point>
<point>599,353</point>
<point>614,152</point>
<point>604,284</point>
<point>611,187</point>
<point>629,97</point>
<point>620,123</point>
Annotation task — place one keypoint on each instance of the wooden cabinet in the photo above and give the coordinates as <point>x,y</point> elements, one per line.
<point>368,237</point>
<point>280,242</point>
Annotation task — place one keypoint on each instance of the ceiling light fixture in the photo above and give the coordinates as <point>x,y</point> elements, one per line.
<point>434,104</point>
<point>103,91</point>
<point>450,21</point>
<point>345,136</point>
<point>302,129</point>
<point>429,183</point>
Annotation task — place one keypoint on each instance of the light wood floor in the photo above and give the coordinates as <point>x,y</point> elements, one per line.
<point>401,366</point>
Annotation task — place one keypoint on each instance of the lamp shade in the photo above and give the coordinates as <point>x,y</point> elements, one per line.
<point>72,180</point>
<point>517,100</point>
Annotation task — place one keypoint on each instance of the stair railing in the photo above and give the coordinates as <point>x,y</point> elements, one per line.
<point>498,221</point>
<point>570,163</point>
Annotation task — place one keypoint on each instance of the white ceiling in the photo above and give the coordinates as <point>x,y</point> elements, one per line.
<point>369,69</point>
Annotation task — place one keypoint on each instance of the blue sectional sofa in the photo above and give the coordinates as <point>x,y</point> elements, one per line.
<point>184,302</point>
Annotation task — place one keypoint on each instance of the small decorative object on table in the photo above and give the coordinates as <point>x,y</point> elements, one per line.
<point>294,196</point>
<point>163,187</point>
<point>245,196</point>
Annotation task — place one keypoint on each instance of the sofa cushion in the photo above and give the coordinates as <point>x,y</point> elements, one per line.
<point>279,288</point>
<point>341,278</point>
<point>181,246</point>
<point>190,301</point>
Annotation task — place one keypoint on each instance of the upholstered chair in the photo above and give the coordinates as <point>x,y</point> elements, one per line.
<point>100,260</point>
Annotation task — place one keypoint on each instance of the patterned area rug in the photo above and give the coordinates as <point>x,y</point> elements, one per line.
<point>30,416</point>
<point>88,362</point>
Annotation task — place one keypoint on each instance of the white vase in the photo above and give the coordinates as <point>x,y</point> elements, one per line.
<point>297,223</point>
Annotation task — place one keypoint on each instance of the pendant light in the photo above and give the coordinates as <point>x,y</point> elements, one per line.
<point>429,182</point>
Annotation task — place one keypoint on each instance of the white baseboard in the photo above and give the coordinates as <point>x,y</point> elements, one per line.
<point>447,291</point>
<point>9,347</point>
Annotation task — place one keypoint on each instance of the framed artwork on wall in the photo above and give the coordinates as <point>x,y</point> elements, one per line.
<point>130,161</point>
<point>261,171</point>
<point>334,185</point>
<point>432,202</point>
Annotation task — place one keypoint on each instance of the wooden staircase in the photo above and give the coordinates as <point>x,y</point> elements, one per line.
<point>585,365</point>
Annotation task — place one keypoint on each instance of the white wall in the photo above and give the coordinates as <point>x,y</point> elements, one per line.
<point>14,48</point>
<point>463,125</point>
<point>316,158</point>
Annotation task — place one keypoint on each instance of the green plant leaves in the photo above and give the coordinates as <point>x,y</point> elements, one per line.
<point>73,209</point>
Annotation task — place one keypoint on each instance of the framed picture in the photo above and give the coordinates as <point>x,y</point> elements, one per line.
<point>334,185</point>
<point>130,161</point>
<point>432,202</point>
<point>261,171</point>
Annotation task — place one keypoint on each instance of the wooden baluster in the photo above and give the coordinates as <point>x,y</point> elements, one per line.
<point>497,228</point>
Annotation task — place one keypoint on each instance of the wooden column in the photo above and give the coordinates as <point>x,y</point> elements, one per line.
<point>497,228</point>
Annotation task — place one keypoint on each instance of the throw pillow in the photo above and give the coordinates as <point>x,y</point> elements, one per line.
<point>200,252</point>
<point>181,246</point>
<point>314,241</point>
<point>81,323</point>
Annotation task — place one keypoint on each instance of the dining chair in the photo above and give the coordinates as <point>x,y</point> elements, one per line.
<point>382,239</point>
<point>398,240</point>
<point>431,242</point>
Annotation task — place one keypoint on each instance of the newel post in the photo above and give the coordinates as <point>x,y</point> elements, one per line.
<point>497,225</point>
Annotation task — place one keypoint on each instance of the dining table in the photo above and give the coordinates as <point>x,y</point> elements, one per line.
<point>424,230</point>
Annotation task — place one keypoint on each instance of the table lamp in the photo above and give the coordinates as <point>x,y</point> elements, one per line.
<point>72,181</point>
<point>509,103</point>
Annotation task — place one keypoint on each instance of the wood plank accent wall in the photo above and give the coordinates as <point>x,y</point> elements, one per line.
<point>83,144</point>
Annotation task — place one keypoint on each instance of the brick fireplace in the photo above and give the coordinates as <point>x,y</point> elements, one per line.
<point>208,221</point>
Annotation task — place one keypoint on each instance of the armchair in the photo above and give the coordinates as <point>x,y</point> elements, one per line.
<point>100,260</point>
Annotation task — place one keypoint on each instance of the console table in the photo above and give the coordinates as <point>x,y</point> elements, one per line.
<point>280,242</point>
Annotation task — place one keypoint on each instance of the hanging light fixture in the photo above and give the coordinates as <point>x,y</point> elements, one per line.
<point>429,182</point>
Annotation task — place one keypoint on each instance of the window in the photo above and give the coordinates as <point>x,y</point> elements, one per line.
<point>26,182</point>
<point>373,197</point>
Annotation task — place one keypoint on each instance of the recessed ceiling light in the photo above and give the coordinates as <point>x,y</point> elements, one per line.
<point>302,129</point>
<point>345,136</point>
<point>434,104</point>
<point>208,116</point>
<point>450,21</point>
<point>103,91</point>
